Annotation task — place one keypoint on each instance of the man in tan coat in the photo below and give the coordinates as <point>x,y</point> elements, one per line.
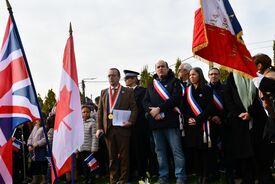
<point>116,98</point>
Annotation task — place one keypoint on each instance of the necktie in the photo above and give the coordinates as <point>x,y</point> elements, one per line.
<point>114,91</point>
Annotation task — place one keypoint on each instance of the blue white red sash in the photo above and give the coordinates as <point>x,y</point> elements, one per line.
<point>192,102</point>
<point>197,110</point>
<point>183,89</point>
<point>163,93</point>
<point>217,100</point>
<point>112,100</point>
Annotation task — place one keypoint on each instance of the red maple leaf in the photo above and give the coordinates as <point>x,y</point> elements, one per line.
<point>63,108</point>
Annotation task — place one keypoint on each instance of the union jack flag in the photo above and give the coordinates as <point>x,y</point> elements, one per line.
<point>18,101</point>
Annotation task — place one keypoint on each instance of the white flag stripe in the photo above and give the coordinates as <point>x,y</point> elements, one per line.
<point>14,55</point>
<point>5,45</point>
<point>215,14</point>
<point>3,139</point>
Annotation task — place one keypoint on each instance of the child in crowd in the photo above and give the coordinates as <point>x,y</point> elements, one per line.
<point>90,144</point>
<point>37,149</point>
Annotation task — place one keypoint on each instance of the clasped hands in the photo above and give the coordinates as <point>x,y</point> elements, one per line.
<point>155,113</point>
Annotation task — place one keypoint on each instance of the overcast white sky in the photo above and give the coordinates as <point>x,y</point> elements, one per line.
<point>127,34</point>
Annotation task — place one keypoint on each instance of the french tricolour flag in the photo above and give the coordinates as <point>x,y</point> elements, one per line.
<point>217,37</point>
<point>16,145</point>
<point>91,162</point>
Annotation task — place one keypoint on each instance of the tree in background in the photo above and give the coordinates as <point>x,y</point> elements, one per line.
<point>145,77</point>
<point>49,102</point>
<point>177,65</point>
<point>82,98</point>
<point>224,74</point>
<point>40,100</point>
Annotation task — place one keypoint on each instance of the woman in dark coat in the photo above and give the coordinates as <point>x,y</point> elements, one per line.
<point>244,144</point>
<point>197,109</point>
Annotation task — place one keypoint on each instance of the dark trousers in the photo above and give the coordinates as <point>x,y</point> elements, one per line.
<point>139,151</point>
<point>201,161</point>
<point>118,149</point>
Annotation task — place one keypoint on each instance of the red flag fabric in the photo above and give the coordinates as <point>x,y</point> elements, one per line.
<point>217,37</point>
<point>68,127</point>
<point>6,162</point>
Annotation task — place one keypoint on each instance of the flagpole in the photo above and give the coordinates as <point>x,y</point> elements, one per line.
<point>30,76</point>
<point>23,153</point>
<point>73,155</point>
<point>72,174</point>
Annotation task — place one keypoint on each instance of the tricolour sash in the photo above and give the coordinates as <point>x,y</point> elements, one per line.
<point>163,93</point>
<point>217,100</point>
<point>183,89</point>
<point>197,110</point>
<point>113,98</point>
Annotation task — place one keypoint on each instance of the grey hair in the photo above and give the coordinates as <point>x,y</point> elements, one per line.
<point>186,66</point>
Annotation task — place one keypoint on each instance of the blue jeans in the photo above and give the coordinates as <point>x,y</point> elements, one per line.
<point>171,137</point>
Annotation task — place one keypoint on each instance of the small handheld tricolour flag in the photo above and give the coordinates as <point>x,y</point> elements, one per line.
<point>16,145</point>
<point>92,162</point>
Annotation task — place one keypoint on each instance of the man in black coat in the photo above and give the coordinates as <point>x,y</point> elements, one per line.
<point>139,143</point>
<point>219,115</point>
<point>161,102</point>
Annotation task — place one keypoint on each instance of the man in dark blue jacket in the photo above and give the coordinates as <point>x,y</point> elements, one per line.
<point>162,101</point>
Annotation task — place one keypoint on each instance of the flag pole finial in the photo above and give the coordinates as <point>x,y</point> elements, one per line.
<point>9,6</point>
<point>70,29</point>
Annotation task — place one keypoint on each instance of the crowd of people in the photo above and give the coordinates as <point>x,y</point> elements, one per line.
<point>179,126</point>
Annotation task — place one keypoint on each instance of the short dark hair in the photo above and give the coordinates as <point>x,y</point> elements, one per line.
<point>118,72</point>
<point>214,68</point>
<point>86,106</point>
<point>264,59</point>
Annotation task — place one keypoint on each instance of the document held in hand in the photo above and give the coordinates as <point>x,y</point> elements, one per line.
<point>120,116</point>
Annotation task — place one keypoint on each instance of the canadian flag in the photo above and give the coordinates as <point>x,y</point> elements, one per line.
<point>68,126</point>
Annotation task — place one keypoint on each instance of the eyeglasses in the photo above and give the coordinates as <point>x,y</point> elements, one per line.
<point>214,74</point>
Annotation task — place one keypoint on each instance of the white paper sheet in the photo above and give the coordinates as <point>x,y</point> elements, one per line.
<point>120,116</point>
